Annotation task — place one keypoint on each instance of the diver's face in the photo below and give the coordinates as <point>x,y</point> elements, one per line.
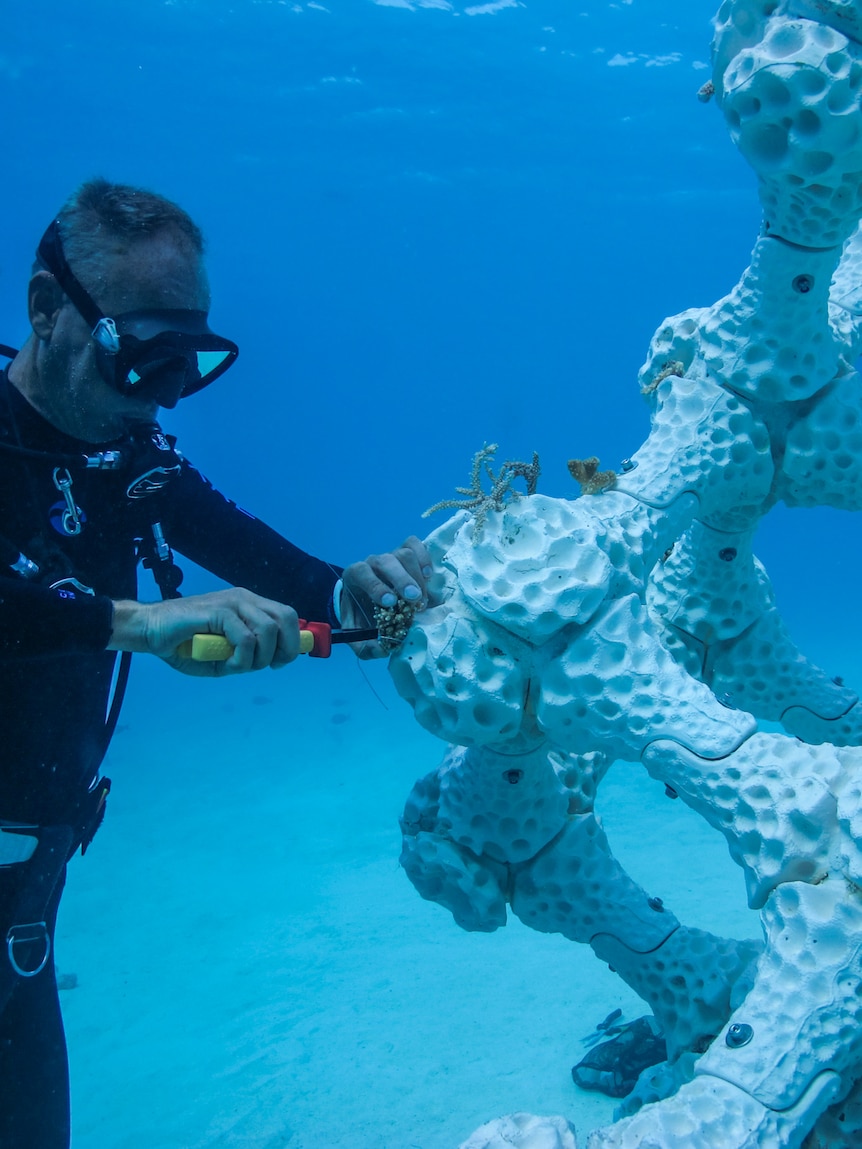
<point>157,272</point>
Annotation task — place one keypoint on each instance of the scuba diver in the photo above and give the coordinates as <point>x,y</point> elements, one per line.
<point>89,487</point>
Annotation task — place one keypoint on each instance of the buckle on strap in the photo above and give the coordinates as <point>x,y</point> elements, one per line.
<point>24,935</point>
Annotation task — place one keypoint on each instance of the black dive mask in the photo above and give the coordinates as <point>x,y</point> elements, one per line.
<point>164,355</point>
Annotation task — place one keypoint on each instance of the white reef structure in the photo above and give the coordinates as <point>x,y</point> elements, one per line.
<point>637,624</point>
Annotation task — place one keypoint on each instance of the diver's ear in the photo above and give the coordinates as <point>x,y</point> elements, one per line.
<point>44,300</point>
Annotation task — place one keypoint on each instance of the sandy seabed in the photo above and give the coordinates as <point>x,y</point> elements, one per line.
<point>255,970</point>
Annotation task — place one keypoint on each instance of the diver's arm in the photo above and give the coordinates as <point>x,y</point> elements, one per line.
<point>214,532</point>
<point>36,621</point>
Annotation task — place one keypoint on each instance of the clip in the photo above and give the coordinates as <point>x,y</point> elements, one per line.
<point>106,335</point>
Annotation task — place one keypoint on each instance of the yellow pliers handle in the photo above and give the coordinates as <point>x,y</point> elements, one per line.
<point>216,648</point>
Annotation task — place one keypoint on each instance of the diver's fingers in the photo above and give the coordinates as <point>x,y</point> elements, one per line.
<point>415,557</point>
<point>241,636</point>
<point>262,632</point>
<point>394,569</point>
<point>384,579</point>
<point>287,633</point>
<point>267,634</point>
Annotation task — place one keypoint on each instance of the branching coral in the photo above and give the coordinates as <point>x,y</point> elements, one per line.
<point>587,473</point>
<point>479,501</point>
<point>672,367</point>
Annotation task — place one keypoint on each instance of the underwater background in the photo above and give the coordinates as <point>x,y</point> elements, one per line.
<point>430,225</point>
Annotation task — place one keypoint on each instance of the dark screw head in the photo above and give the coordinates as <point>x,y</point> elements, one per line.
<point>728,554</point>
<point>513,777</point>
<point>803,284</point>
<point>656,904</point>
<point>738,1035</point>
<point>628,465</point>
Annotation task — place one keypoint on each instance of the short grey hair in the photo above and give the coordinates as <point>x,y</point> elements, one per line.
<point>102,220</point>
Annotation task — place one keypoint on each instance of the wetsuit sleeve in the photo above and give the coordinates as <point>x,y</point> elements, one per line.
<point>37,621</point>
<point>214,532</point>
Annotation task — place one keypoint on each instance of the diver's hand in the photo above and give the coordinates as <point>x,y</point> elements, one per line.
<point>381,580</point>
<point>263,633</point>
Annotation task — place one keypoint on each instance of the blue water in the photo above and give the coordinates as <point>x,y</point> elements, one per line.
<point>429,226</point>
<point>426,229</point>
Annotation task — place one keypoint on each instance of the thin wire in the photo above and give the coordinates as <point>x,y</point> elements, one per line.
<point>359,607</point>
<point>369,621</point>
<point>368,683</point>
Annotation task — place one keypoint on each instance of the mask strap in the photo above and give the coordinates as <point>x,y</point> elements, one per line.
<point>52,257</point>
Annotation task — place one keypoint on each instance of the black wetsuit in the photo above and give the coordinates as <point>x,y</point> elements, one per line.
<point>55,681</point>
